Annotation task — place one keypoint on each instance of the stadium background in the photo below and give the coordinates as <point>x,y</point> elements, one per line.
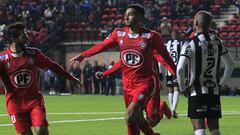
<point>63,28</point>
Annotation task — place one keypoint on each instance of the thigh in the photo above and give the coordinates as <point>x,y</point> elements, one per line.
<point>214,107</point>
<point>38,116</point>
<point>21,121</point>
<point>142,92</point>
<point>197,107</point>
<point>153,104</point>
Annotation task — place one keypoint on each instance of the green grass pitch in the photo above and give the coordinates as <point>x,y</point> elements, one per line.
<point>103,115</point>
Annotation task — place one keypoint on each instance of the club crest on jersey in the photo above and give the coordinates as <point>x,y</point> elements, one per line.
<point>22,78</point>
<point>132,58</point>
<point>143,45</point>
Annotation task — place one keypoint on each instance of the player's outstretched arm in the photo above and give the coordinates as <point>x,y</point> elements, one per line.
<point>111,70</point>
<point>44,62</point>
<point>162,61</point>
<point>100,47</point>
<point>161,50</point>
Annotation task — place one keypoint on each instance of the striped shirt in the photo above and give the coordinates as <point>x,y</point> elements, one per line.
<point>204,53</point>
<point>173,48</point>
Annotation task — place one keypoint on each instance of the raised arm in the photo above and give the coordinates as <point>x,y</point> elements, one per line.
<point>164,55</point>
<point>109,71</point>
<point>109,42</point>
<point>113,69</point>
<point>44,62</point>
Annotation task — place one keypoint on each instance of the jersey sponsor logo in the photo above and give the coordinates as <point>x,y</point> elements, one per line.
<point>146,35</point>
<point>4,57</point>
<point>22,78</point>
<point>121,33</point>
<point>132,58</point>
<point>143,45</point>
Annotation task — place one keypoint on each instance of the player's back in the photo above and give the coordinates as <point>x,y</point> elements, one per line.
<point>205,63</point>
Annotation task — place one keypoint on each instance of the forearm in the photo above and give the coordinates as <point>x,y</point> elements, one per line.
<point>113,69</point>
<point>181,73</point>
<point>229,65</point>
<point>59,70</point>
<point>100,47</point>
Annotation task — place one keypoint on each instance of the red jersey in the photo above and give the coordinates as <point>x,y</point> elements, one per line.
<point>136,53</point>
<point>19,74</point>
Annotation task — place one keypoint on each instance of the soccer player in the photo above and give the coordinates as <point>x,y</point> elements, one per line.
<point>136,45</point>
<point>174,47</point>
<point>154,107</point>
<point>19,72</point>
<point>204,52</point>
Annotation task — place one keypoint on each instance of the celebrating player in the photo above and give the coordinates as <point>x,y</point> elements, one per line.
<point>18,66</point>
<point>204,52</point>
<point>154,108</point>
<point>136,45</point>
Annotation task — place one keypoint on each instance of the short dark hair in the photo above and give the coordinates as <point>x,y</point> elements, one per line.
<point>15,30</point>
<point>204,18</point>
<point>139,8</point>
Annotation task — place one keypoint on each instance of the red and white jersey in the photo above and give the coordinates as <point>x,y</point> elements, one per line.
<point>19,74</point>
<point>136,53</point>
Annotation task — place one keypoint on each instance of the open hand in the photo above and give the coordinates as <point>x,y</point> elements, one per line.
<point>75,61</point>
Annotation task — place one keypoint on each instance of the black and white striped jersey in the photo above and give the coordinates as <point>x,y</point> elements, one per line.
<point>174,49</point>
<point>204,53</point>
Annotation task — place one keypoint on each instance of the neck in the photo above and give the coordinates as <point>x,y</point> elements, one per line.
<point>135,29</point>
<point>15,48</point>
<point>199,30</point>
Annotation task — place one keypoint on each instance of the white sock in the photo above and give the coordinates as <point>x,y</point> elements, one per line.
<point>170,99</point>
<point>215,132</point>
<point>175,100</point>
<point>199,132</point>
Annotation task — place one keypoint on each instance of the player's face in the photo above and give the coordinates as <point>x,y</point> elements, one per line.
<point>131,17</point>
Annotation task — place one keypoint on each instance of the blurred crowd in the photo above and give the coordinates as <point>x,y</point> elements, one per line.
<point>54,84</point>
<point>48,18</point>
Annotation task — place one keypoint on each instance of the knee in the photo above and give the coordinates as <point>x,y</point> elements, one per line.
<point>153,122</point>
<point>129,119</point>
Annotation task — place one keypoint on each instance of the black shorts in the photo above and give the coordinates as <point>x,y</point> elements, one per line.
<point>204,106</point>
<point>170,81</point>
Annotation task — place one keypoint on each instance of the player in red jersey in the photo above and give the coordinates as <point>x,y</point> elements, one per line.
<point>136,45</point>
<point>19,73</point>
<point>154,110</point>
